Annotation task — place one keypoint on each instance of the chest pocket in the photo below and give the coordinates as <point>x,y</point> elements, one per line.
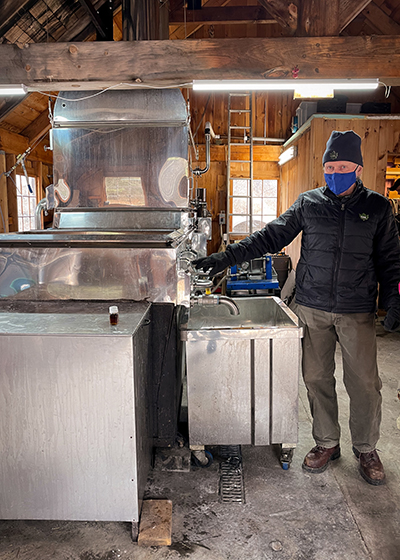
<point>361,227</point>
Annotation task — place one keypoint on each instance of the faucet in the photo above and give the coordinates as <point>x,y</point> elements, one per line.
<point>41,206</point>
<point>215,300</point>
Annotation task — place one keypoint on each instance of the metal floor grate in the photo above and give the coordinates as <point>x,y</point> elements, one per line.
<point>231,478</point>
<point>230,451</point>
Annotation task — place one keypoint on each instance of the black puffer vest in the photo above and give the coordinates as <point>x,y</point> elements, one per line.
<point>349,244</point>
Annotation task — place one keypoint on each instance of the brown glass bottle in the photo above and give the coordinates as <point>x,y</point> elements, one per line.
<point>113,311</point>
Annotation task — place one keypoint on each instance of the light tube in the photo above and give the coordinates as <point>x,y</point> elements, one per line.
<point>282,85</point>
<point>11,89</point>
<point>287,155</point>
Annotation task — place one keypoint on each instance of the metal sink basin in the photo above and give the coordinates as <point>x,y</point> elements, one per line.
<point>268,315</point>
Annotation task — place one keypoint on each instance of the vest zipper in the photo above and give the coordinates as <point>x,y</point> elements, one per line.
<point>338,256</point>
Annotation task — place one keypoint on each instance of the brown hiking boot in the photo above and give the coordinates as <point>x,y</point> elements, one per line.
<point>371,468</point>
<point>316,460</point>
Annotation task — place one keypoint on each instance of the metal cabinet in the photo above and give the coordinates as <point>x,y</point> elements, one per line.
<point>242,373</point>
<point>75,437</point>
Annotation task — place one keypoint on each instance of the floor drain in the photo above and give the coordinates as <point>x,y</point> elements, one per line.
<point>230,451</point>
<point>231,479</point>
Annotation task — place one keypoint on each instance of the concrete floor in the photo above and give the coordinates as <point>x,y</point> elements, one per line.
<point>287,514</point>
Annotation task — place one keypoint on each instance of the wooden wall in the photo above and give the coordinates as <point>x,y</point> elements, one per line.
<point>215,180</point>
<point>24,126</point>
<point>380,136</point>
<point>41,170</point>
<point>272,113</point>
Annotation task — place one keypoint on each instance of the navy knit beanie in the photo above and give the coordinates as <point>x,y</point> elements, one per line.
<point>343,146</point>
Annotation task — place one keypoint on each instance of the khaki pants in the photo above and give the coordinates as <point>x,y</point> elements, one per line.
<point>355,333</point>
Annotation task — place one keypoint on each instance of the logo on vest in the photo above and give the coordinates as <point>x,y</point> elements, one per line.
<point>333,155</point>
<point>364,217</point>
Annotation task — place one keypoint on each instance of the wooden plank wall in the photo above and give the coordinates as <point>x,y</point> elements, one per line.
<point>296,177</point>
<point>43,173</point>
<point>272,112</point>
<point>215,180</point>
<point>380,137</point>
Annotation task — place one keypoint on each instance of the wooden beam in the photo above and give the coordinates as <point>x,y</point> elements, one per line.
<point>38,169</point>
<point>380,21</point>
<point>349,10</point>
<point>141,20</point>
<point>12,194</point>
<point>10,104</point>
<point>84,27</point>
<point>37,128</point>
<point>185,31</point>
<point>94,16</point>
<point>16,144</point>
<point>284,11</point>
<point>261,170</point>
<point>220,152</point>
<point>58,66</point>
<point>225,15</point>
<point>11,11</point>
<point>3,194</point>
<point>318,18</point>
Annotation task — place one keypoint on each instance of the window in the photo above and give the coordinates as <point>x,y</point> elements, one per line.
<point>124,190</point>
<point>250,213</point>
<point>26,201</point>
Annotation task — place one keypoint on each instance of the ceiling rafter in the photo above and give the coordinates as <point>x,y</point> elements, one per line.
<point>221,15</point>
<point>380,20</point>
<point>14,143</point>
<point>314,17</point>
<point>94,16</point>
<point>37,128</point>
<point>11,11</point>
<point>189,28</point>
<point>285,12</point>
<point>9,105</point>
<point>318,18</point>
<point>349,10</point>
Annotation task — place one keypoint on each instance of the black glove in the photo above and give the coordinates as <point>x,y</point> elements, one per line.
<point>391,322</point>
<point>217,262</point>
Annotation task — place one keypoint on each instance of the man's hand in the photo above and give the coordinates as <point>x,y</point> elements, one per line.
<point>391,322</point>
<point>217,262</point>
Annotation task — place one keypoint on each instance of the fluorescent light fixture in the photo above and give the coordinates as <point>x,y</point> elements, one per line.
<point>287,155</point>
<point>282,85</point>
<point>11,89</point>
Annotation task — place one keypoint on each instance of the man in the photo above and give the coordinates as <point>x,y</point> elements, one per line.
<point>349,245</point>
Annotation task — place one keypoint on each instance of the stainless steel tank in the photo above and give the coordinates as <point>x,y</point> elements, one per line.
<point>83,401</point>
<point>243,373</point>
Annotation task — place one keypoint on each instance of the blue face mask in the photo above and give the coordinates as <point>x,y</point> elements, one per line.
<point>338,183</point>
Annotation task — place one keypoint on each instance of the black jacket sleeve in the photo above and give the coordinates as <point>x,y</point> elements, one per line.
<point>387,260</point>
<point>272,238</point>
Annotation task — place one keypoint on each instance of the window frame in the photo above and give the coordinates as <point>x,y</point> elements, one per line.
<point>33,181</point>
<point>249,217</point>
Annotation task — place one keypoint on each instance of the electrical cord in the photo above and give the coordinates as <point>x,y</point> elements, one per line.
<point>219,283</point>
<point>387,89</point>
<point>138,85</point>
